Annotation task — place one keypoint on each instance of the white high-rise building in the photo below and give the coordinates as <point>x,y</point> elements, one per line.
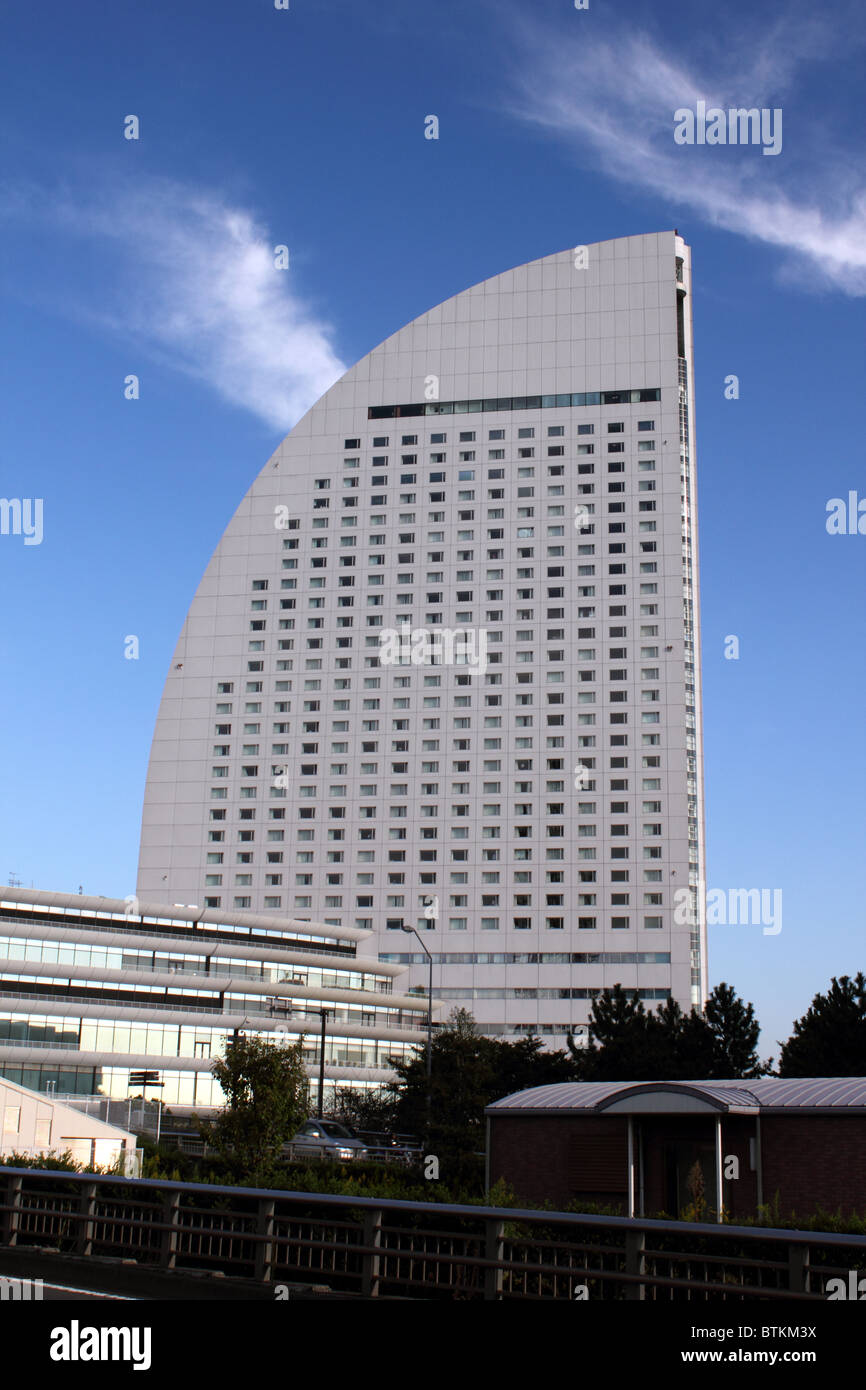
<point>446,654</point>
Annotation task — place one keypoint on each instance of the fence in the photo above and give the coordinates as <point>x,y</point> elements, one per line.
<point>370,1247</point>
<point>194,1145</point>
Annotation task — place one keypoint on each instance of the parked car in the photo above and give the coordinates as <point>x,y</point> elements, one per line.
<point>327,1139</point>
<point>389,1147</point>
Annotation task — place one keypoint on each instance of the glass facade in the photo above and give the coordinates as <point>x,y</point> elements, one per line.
<point>75,1001</point>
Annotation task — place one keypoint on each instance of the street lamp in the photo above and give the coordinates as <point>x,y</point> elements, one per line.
<point>407,928</point>
<point>323,1014</point>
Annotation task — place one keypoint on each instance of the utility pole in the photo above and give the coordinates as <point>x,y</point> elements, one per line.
<point>430,911</point>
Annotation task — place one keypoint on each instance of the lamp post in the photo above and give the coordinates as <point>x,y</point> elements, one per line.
<point>420,939</point>
<point>323,1014</point>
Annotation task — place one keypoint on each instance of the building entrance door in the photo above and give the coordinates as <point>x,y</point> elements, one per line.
<point>691,1178</point>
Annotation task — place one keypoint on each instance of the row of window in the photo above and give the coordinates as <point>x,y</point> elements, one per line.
<point>563,400</point>
<point>520,923</point>
<point>467,475</point>
<point>532,958</point>
<point>170,1040</point>
<point>519,992</point>
<point>494,454</point>
<point>382,441</point>
<point>14,948</point>
<point>197,1088</point>
<point>647,630</point>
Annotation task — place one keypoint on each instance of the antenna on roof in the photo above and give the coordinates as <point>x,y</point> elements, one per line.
<point>14,880</point>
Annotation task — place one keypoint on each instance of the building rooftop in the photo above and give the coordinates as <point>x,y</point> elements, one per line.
<point>176,914</point>
<point>736,1097</point>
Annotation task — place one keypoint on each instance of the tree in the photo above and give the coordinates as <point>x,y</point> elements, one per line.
<point>627,1043</point>
<point>371,1109</point>
<point>696,1186</point>
<point>830,1039</point>
<point>461,1022</point>
<point>523,1064</point>
<point>672,1040</point>
<point>469,1072</point>
<point>267,1099</point>
<point>734,1033</point>
<point>616,1046</point>
<point>462,1073</point>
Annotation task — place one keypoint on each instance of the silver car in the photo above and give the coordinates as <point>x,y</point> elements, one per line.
<point>326,1139</point>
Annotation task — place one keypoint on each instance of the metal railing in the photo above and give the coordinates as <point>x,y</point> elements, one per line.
<point>370,1247</point>
<point>220,932</point>
<point>197,1146</point>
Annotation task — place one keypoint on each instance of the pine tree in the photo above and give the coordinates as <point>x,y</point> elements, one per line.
<point>617,1043</point>
<point>627,1043</point>
<point>734,1032</point>
<point>830,1039</point>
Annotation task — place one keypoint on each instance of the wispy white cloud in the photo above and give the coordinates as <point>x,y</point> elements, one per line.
<point>192,278</point>
<point>612,102</point>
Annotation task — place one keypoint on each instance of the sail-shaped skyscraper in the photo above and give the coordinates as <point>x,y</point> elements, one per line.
<point>443,667</point>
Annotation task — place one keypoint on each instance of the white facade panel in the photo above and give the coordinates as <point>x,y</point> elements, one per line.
<point>316,764</point>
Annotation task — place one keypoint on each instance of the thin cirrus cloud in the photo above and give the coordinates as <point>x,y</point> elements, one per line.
<point>193,279</point>
<point>612,103</point>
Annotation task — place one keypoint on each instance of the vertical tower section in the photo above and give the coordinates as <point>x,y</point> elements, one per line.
<point>697,916</point>
<point>443,667</point>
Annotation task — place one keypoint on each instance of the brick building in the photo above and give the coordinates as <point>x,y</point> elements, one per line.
<point>635,1145</point>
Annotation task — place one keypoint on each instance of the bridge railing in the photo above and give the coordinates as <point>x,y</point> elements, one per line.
<point>371,1247</point>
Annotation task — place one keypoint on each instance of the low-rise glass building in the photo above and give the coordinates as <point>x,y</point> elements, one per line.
<point>93,990</point>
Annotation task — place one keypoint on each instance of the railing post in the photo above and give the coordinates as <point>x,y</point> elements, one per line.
<point>86,1218</point>
<point>371,1263</point>
<point>635,1262</point>
<point>494,1249</point>
<point>798,1269</point>
<point>11,1217</point>
<point>171,1216</point>
<point>265,1248</point>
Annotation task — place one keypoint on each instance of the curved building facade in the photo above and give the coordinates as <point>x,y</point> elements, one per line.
<point>443,666</point>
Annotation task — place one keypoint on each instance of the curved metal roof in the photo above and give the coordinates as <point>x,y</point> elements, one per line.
<point>820,1092</point>
<point>736,1096</point>
<point>681,1096</point>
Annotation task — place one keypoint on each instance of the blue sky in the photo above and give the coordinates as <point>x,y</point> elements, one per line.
<point>305,127</point>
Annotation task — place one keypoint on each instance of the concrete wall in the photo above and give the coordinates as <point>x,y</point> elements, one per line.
<point>31,1123</point>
